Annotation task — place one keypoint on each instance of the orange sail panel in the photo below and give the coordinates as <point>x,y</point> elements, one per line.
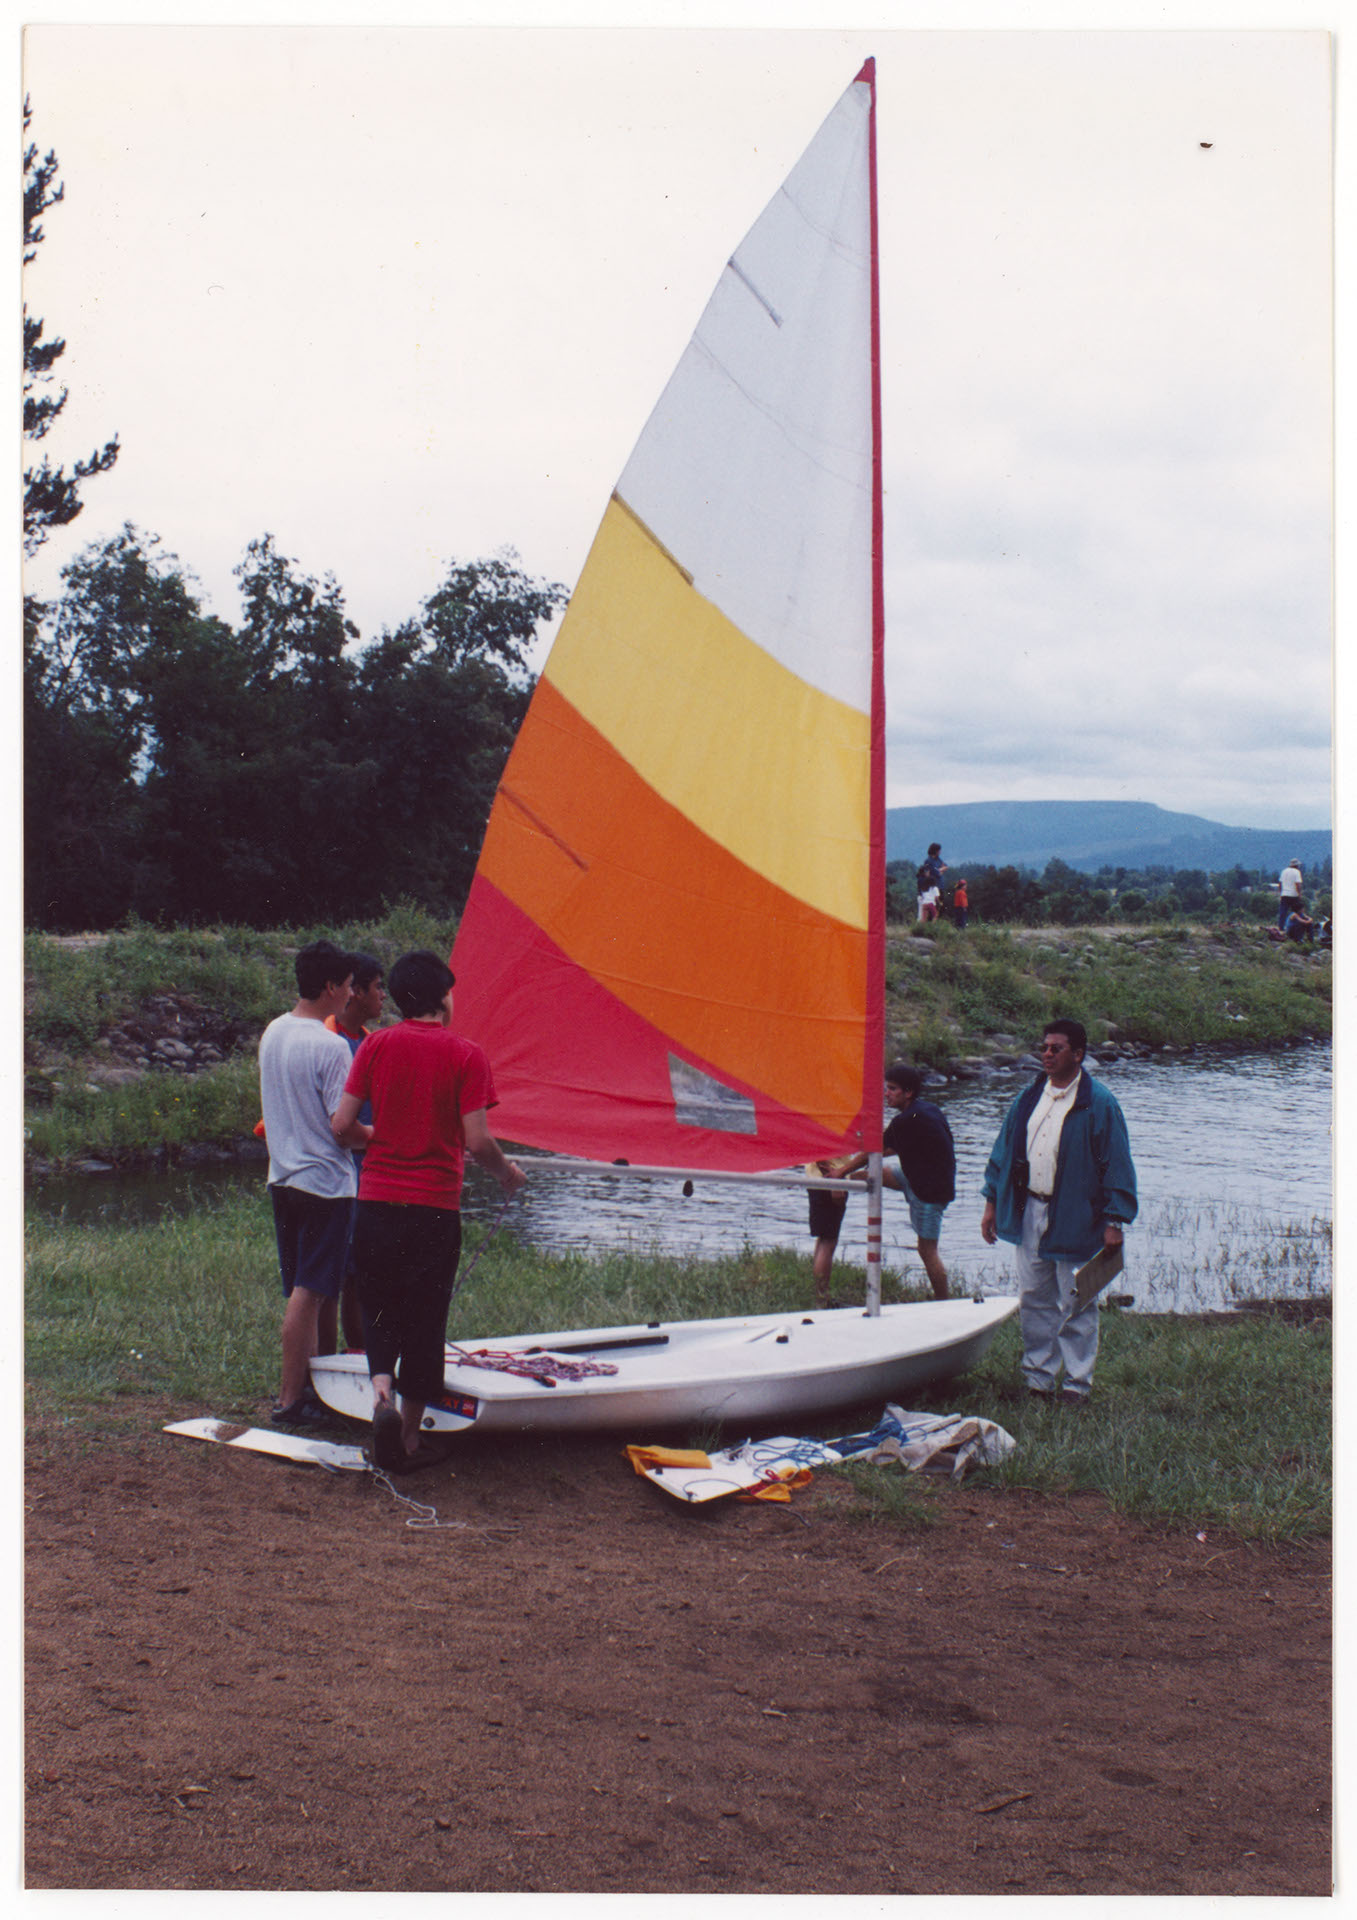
<point>673,944</point>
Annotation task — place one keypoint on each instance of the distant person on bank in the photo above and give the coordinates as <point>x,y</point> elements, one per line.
<point>430,1091</point>
<point>921,1141</point>
<point>1289,886</point>
<point>961,906</point>
<point>929,882</point>
<point>1059,1186</point>
<point>312,1182</point>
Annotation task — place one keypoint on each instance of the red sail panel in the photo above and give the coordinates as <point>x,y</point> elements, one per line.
<point>569,1056</point>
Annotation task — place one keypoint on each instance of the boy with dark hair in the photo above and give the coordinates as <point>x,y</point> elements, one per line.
<point>353,1024</point>
<point>921,1140</point>
<point>364,1007</point>
<point>430,1091</point>
<point>302,1068</point>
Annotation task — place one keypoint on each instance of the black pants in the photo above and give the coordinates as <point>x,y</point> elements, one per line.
<point>405,1260</point>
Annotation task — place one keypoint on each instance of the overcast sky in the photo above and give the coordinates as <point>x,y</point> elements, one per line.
<point>403,296</point>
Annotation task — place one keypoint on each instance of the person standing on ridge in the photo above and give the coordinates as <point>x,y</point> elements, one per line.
<point>1060,1185</point>
<point>930,876</point>
<point>1289,883</point>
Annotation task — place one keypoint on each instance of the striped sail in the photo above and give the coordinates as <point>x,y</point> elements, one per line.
<point>672,949</point>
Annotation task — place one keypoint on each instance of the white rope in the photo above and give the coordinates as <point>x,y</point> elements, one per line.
<point>424,1518</point>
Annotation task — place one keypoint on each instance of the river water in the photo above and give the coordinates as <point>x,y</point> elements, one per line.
<point>1233,1158</point>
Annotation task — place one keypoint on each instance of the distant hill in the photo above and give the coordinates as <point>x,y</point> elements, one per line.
<point>1088,834</point>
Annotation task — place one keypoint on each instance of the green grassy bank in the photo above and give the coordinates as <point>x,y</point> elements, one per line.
<point>1220,1422</point>
<point>951,997</point>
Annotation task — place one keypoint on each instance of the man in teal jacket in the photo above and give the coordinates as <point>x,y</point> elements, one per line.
<point>1059,1186</point>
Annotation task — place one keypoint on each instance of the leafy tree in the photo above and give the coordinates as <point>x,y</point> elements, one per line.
<point>438,706</point>
<point>1192,888</point>
<point>1003,894</point>
<point>275,773</point>
<point>80,811</point>
<point>1060,878</point>
<point>488,610</point>
<point>124,608</point>
<point>51,495</point>
<point>901,894</point>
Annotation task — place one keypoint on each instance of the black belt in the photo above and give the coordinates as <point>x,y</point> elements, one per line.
<point>1045,1198</point>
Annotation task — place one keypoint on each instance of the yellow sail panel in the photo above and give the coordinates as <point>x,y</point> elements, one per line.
<point>682,696</point>
<point>735,971</point>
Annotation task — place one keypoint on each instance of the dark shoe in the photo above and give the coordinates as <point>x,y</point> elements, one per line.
<point>302,1413</point>
<point>1047,1394</point>
<point>388,1449</point>
<point>1069,1398</point>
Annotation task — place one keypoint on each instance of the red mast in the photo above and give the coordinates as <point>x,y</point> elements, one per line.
<point>875,1041</point>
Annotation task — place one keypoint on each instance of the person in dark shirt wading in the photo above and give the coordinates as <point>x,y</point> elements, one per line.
<point>921,1140</point>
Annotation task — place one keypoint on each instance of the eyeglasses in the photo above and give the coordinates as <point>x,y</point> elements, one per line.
<point>1055,1046</point>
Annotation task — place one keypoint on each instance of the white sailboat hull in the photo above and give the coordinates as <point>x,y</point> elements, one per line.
<point>777,1367</point>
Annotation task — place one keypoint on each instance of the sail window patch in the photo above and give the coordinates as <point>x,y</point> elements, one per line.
<point>701,1101</point>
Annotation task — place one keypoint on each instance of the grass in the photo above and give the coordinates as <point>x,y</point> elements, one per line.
<point>1180,986</point>
<point>75,994</point>
<point>1197,1422</point>
<point>160,1112</point>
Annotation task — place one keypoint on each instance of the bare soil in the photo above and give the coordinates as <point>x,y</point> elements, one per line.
<point>247,1674</point>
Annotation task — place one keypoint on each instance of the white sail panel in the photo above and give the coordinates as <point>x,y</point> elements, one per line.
<point>755,469</point>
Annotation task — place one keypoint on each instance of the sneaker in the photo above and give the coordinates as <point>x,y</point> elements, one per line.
<point>1069,1398</point>
<point>302,1413</point>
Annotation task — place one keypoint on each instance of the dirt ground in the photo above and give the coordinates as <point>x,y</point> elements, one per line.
<point>247,1674</point>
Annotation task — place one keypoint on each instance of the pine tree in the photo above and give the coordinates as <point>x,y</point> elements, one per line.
<point>51,495</point>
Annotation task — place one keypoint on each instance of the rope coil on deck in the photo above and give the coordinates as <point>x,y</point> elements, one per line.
<point>545,1368</point>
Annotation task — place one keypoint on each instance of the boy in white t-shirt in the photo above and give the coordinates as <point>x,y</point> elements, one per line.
<point>302,1069</point>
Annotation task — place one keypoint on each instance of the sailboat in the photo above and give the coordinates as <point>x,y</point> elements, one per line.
<point>673,948</point>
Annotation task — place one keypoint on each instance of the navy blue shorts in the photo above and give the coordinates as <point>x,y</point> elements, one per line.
<point>313,1240</point>
<point>405,1260</point>
<point>826,1212</point>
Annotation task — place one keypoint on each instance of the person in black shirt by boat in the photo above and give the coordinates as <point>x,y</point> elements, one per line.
<point>921,1140</point>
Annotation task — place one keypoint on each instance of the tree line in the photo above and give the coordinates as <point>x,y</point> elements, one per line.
<point>271,773</point>
<point>1062,895</point>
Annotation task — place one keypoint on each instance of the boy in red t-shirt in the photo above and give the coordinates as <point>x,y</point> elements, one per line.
<point>429,1091</point>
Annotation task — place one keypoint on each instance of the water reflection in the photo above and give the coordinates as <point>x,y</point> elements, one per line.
<point>1233,1157</point>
